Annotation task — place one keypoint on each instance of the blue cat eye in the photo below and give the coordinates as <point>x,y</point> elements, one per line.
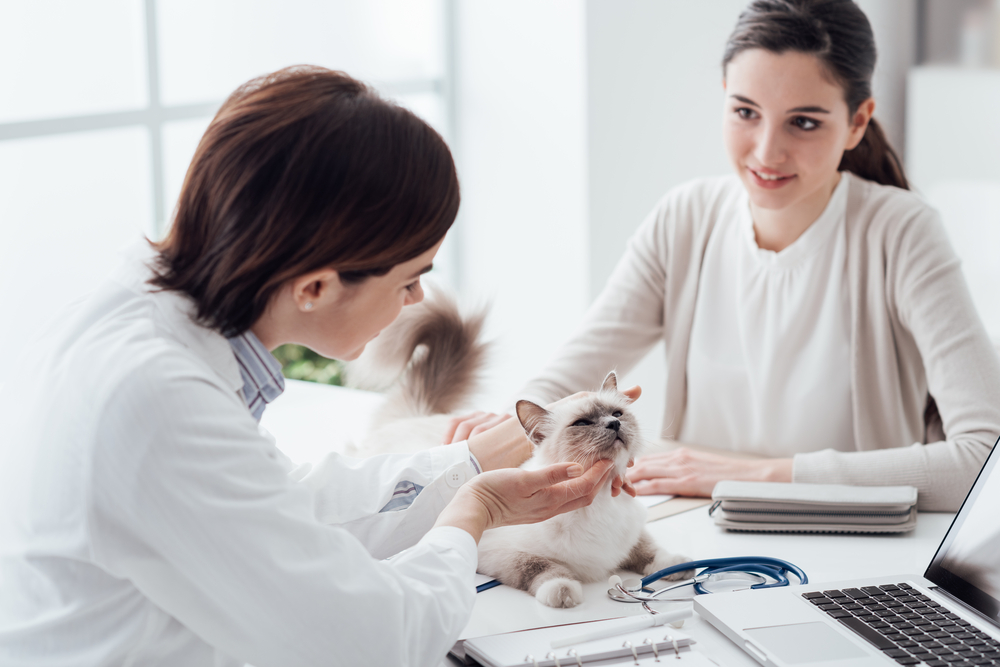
<point>583,422</point>
<point>616,413</point>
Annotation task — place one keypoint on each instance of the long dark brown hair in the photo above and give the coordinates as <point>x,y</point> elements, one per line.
<point>839,34</point>
<point>301,170</point>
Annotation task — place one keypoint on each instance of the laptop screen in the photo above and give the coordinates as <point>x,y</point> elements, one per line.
<point>967,564</point>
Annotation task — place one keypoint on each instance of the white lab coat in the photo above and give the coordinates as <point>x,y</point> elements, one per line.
<point>145,519</point>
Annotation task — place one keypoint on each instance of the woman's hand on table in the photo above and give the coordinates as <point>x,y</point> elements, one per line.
<point>689,472</point>
<point>514,496</point>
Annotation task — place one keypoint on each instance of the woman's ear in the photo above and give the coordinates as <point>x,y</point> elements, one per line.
<point>859,123</point>
<point>315,289</point>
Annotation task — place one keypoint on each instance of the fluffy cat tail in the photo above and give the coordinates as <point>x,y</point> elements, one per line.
<point>431,357</point>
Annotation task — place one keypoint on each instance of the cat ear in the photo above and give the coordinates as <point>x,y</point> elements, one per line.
<point>610,382</point>
<point>534,420</point>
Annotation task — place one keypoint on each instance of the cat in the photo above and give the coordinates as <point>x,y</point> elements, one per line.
<point>552,559</point>
<point>428,362</point>
<point>442,357</point>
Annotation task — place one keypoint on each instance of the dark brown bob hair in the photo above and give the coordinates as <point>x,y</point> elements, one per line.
<point>301,170</point>
<point>839,34</point>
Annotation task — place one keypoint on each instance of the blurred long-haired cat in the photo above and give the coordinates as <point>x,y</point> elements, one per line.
<point>430,359</point>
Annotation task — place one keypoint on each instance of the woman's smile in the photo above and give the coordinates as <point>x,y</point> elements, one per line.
<point>769,179</point>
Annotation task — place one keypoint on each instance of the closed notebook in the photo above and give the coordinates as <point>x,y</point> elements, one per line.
<point>534,647</point>
<point>813,508</point>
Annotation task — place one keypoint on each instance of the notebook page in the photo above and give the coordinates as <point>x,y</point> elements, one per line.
<point>513,648</point>
<point>654,499</point>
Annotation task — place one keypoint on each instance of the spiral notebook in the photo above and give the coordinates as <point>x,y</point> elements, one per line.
<point>533,648</point>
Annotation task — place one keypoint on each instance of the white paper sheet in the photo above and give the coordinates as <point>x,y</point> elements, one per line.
<point>655,499</point>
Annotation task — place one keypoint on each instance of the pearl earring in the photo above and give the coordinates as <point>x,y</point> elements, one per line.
<point>309,305</point>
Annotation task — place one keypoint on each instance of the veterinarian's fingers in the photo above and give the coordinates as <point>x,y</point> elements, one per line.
<point>581,492</point>
<point>495,420</point>
<point>453,425</point>
<point>585,485</point>
<point>567,398</point>
<point>628,488</point>
<point>540,480</point>
<point>465,429</point>
<point>633,392</point>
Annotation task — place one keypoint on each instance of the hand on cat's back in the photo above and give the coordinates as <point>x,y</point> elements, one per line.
<point>689,472</point>
<point>463,427</point>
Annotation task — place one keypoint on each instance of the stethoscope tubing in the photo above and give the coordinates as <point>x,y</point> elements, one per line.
<point>772,567</point>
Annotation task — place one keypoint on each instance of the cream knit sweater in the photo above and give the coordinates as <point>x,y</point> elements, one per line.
<point>915,334</point>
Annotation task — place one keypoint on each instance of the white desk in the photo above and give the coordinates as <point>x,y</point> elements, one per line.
<point>823,557</point>
<point>307,417</point>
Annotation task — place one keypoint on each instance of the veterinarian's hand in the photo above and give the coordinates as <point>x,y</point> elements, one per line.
<point>632,393</point>
<point>465,426</point>
<point>688,472</point>
<point>461,428</point>
<point>514,496</point>
<point>503,446</point>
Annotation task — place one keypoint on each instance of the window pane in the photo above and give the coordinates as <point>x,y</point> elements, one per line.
<point>68,205</point>
<point>65,57</point>
<point>209,47</point>
<point>180,139</point>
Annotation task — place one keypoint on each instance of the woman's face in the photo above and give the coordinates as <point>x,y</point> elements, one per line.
<point>786,126</point>
<point>345,317</point>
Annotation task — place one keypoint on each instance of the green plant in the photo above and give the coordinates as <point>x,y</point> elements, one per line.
<point>301,363</point>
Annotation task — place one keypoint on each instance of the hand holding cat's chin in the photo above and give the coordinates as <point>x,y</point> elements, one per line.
<point>513,496</point>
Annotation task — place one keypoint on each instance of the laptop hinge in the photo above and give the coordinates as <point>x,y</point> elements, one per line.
<point>965,605</point>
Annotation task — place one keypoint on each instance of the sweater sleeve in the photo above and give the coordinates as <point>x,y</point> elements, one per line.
<point>935,313</point>
<point>622,324</point>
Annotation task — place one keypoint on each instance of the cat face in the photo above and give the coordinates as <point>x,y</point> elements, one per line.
<point>584,429</point>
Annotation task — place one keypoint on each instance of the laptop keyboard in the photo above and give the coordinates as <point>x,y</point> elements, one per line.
<point>908,626</point>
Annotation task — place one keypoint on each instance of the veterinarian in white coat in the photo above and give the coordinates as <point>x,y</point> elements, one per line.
<point>812,310</point>
<point>146,520</point>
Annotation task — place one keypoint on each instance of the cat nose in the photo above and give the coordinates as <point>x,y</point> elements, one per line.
<point>614,425</point>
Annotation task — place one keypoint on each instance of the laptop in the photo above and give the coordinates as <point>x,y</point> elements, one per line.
<point>949,616</point>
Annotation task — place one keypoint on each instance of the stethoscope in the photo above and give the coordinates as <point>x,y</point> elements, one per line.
<point>754,571</point>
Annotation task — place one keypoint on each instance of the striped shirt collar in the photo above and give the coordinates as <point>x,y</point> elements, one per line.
<point>261,372</point>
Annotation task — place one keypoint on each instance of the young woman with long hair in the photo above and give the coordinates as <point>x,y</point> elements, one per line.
<point>812,309</point>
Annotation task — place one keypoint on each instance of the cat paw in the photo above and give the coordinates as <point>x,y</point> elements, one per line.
<point>560,593</point>
<point>664,560</point>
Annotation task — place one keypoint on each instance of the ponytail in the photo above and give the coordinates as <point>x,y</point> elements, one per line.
<point>874,159</point>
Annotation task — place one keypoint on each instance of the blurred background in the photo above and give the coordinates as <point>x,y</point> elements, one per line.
<point>568,120</point>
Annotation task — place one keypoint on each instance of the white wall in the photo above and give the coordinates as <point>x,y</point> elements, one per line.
<point>654,105</point>
<point>953,143</point>
<point>521,153</point>
<point>655,110</point>
<point>895,25</point>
